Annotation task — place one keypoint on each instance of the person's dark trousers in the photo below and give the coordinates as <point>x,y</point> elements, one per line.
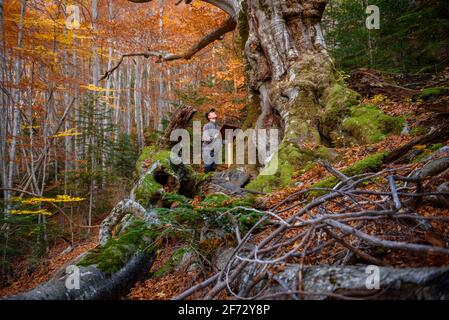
<point>210,167</point>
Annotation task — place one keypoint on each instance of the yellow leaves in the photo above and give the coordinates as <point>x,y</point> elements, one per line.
<point>30,127</point>
<point>92,87</point>
<point>68,133</point>
<point>420,147</point>
<point>377,99</point>
<point>40,49</point>
<point>161,295</point>
<point>26,212</point>
<point>57,199</point>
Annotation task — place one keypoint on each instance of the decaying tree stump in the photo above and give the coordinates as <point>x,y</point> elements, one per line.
<point>179,120</point>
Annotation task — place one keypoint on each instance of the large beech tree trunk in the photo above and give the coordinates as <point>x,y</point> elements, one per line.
<point>293,76</point>
<point>288,64</point>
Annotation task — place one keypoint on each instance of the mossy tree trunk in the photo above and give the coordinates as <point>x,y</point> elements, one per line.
<point>292,75</point>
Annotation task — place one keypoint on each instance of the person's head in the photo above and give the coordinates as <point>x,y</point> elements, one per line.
<point>211,115</point>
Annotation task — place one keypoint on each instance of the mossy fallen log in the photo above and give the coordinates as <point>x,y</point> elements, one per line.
<point>94,284</point>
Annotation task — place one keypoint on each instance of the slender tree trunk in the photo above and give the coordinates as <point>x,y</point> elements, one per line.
<point>17,102</point>
<point>146,96</point>
<point>138,104</point>
<point>107,120</point>
<point>76,148</point>
<point>370,43</point>
<point>67,140</point>
<point>128,98</point>
<point>4,107</point>
<point>117,104</point>
<point>116,96</point>
<point>96,63</point>
<point>161,71</point>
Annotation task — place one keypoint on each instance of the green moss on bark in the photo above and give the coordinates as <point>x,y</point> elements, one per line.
<point>368,124</point>
<point>148,190</point>
<point>338,100</point>
<point>150,187</point>
<point>280,171</point>
<point>116,253</point>
<point>146,153</point>
<point>151,153</point>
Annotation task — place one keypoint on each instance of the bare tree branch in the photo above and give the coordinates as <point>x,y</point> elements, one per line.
<point>228,26</point>
<point>387,243</point>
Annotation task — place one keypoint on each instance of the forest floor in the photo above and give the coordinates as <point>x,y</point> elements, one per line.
<point>175,280</point>
<point>56,258</point>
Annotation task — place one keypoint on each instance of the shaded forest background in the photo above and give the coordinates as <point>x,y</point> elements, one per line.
<point>69,142</point>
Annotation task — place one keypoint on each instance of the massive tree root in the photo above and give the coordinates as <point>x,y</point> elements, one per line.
<point>357,282</point>
<point>334,225</point>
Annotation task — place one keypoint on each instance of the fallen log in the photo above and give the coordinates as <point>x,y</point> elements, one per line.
<point>369,82</point>
<point>432,168</point>
<point>438,134</point>
<point>367,282</point>
<point>94,284</point>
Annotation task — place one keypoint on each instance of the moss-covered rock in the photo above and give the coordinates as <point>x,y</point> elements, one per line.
<point>370,163</point>
<point>428,93</point>
<point>138,238</point>
<point>368,124</point>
